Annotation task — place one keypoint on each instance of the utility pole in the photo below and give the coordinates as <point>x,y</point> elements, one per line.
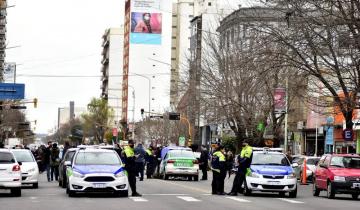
<point>286,113</point>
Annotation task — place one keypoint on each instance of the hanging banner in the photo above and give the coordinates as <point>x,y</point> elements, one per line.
<point>9,72</point>
<point>280,100</point>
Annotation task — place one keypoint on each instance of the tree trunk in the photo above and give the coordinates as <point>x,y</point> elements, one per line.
<point>348,119</point>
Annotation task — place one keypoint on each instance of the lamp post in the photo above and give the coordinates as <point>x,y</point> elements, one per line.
<point>149,80</point>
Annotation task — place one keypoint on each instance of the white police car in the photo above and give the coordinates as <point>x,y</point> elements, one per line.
<point>96,170</point>
<point>271,171</point>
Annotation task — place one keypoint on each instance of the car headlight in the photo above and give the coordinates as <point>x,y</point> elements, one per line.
<point>254,175</point>
<point>291,176</point>
<point>78,175</point>
<point>339,179</point>
<point>31,170</point>
<point>120,174</point>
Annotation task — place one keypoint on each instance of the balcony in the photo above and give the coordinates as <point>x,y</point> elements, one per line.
<point>105,61</point>
<point>2,31</point>
<point>3,12</point>
<point>3,21</point>
<point>105,43</point>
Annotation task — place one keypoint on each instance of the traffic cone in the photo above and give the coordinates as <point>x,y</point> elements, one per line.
<point>304,178</point>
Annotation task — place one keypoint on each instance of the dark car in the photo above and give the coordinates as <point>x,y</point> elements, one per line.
<point>69,155</point>
<point>338,174</point>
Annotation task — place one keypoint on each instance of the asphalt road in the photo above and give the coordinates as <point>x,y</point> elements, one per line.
<point>171,194</point>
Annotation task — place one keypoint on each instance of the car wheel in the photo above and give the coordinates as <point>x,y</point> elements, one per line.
<point>36,185</point>
<point>316,190</point>
<point>123,193</point>
<point>247,191</point>
<point>196,178</point>
<point>16,192</point>
<point>330,191</point>
<point>165,177</point>
<point>355,196</point>
<point>293,194</point>
<point>63,183</point>
<point>60,183</point>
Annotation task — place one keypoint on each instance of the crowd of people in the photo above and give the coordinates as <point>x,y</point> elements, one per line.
<point>48,159</point>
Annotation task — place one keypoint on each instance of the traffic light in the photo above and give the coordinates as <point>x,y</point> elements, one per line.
<point>35,102</point>
<point>174,116</point>
<point>142,111</point>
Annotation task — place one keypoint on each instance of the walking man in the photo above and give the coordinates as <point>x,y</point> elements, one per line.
<point>243,167</point>
<point>130,166</point>
<point>140,161</point>
<point>204,157</point>
<point>54,162</point>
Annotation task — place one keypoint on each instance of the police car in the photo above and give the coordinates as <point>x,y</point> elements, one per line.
<point>96,170</point>
<point>270,171</point>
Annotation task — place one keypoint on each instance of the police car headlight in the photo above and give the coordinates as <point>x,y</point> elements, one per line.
<point>78,175</point>
<point>254,175</point>
<point>339,179</point>
<point>120,174</point>
<point>291,176</point>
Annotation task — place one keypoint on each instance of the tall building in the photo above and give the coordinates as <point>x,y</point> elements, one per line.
<point>3,6</point>
<point>112,65</point>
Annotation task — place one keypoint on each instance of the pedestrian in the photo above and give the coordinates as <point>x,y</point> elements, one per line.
<point>289,156</point>
<point>66,147</point>
<point>150,162</point>
<point>204,162</point>
<point>243,168</point>
<point>55,162</point>
<point>140,160</point>
<point>46,160</point>
<point>219,170</point>
<point>229,161</point>
<point>130,166</point>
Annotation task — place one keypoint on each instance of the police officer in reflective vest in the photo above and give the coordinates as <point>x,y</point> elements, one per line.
<point>243,167</point>
<point>218,167</point>
<point>130,166</point>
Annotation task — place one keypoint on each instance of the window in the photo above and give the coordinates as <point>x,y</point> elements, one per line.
<point>209,4</point>
<point>97,158</point>
<point>23,156</point>
<point>191,4</point>
<point>6,157</point>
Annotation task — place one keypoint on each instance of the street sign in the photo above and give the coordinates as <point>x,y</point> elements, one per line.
<point>348,134</point>
<point>10,91</point>
<point>182,140</point>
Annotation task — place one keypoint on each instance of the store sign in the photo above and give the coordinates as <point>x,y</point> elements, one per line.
<point>348,134</point>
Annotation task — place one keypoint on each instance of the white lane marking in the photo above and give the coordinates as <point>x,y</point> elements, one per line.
<point>290,201</point>
<point>33,198</point>
<point>166,194</point>
<point>239,199</point>
<point>188,198</point>
<point>138,199</point>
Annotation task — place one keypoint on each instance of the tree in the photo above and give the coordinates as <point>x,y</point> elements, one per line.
<point>98,119</point>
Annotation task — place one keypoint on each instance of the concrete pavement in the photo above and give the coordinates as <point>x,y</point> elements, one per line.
<point>171,194</point>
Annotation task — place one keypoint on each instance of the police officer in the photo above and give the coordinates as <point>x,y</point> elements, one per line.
<point>218,167</point>
<point>150,162</point>
<point>130,166</point>
<point>243,162</point>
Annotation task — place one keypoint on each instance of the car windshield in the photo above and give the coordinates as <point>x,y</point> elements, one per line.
<point>6,158</point>
<point>97,158</point>
<point>23,156</point>
<point>345,162</point>
<point>181,154</point>
<point>312,161</point>
<point>270,159</point>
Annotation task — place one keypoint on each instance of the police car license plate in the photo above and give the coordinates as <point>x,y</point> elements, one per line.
<point>356,185</point>
<point>273,183</point>
<point>97,185</point>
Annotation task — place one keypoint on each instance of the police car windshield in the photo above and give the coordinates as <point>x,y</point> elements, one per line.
<point>97,158</point>
<point>270,159</point>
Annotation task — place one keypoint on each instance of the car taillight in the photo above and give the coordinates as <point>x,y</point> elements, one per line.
<point>195,161</point>
<point>171,161</point>
<point>16,168</point>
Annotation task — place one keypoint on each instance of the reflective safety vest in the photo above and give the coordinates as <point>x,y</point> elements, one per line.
<point>149,152</point>
<point>246,152</point>
<point>129,152</point>
<point>217,157</point>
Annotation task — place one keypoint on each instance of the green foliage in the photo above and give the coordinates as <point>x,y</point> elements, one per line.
<point>230,142</point>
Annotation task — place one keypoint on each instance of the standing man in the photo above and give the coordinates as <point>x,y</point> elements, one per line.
<point>47,154</point>
<point>151,162</point>
<point>54,161</point>
<point>204,156</point>
<point>219,170</point>
<point>140,161</point>
<point>130,166</point>
<point>243,167</point>
<point>66,147</point>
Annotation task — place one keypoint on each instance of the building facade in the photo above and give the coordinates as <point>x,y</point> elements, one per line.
<point>3,13</point>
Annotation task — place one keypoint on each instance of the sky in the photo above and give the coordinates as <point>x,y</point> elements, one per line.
<point>58,38</point>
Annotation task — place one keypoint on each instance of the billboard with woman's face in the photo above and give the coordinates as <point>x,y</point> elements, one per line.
<point>146,28</point>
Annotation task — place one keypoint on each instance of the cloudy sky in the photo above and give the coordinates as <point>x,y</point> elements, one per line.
<point>58,38</point>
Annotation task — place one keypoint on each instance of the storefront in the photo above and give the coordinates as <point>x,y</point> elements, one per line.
<point>310,142</point>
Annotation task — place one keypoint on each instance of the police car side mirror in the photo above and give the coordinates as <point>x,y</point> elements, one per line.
<point>295,165</point>
<point>67,163</point>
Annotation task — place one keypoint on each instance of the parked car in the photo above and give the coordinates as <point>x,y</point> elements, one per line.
<point>96,170</point>
<point>338,174</point>
<point>10,172</point>
<point>62,167</point>
<point>271,171</point>
<point>179,162</point>
<point>311,163</point>
<point>29,167</point>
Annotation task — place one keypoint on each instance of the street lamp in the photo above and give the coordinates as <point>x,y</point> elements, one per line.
<point>149,80</point>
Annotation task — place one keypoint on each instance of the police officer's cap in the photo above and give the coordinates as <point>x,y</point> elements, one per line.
<point>131,142</point>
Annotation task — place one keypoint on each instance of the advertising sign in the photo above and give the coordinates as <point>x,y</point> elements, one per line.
<point>182,141</point>
<point>145,5</point>
<point>9,72</point>
<point>13,91</point>
<point>348,134</point>
<point>280,100</point>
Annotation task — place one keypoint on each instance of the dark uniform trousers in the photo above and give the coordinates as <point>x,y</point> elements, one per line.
<point>238,181</point>
<point>132,180</point>
<point>218,182</point>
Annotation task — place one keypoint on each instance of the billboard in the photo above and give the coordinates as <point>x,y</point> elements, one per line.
<point>280,100</point>
<point>146,28</point>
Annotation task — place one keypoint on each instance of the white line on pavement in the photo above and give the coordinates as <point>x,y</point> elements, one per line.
<point>188,199</point>
<point>137,199</point>
<point>33,198</point>
<point>290,201</point>
<point>239,199</point>
<point>166,194</point>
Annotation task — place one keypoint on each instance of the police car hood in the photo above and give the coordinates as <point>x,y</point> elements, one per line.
<point>90,169</point>
<point>271,169</point>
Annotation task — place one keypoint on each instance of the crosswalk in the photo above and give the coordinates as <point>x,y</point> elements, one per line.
<point>189,198</point>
